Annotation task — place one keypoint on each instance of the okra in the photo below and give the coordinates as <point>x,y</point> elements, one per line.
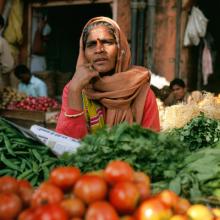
<point>8,163</point>
<point>37,155</point>
<point>25,174</point>
<point>34,181</point>
<point>8,145</point>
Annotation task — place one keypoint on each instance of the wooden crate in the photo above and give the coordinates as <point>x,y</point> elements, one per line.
<point>26,118</point>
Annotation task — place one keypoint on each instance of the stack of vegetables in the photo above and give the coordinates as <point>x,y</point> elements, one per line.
<point>118,192</point>
<point>35,104</point>
<point>185,160</point>
<point>10,95</point>
<point>14,100</point>
<point>176,116</point>
<point>22,157</point>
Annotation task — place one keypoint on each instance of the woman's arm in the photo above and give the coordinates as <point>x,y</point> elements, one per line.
<point>71,126</point>
<point>75,125</point>
<point>151,118</point>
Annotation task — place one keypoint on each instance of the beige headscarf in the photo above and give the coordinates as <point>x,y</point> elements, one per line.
<point>123,94</point>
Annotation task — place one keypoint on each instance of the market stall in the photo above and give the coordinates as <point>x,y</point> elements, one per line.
<point>26,111</point>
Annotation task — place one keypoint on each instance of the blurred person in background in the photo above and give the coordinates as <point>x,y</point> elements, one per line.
<point>106,89</point>
<point>178,93</point>
<point>6,59</point>
<point>29,84</point>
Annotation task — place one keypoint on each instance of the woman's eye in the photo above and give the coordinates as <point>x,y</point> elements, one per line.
<point>90,45</point>
<point>110,42</point>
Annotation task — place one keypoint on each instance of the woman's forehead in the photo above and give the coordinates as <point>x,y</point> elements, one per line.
<point>101,32</point>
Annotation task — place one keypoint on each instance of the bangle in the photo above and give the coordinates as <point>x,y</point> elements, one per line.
<point>74,115</point>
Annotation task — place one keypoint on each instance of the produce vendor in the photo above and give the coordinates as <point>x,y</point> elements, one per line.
<point>178,93</point>
<point>105,88</point>
<point>29,84</point>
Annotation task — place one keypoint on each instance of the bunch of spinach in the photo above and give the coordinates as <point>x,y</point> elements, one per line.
<point>200,175</point>
<point>157,154</point>
<point>200,132</point>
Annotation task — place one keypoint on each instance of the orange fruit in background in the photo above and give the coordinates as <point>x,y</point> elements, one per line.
<point>216,212</point>
<point>168,197</point>
<point>182,206</point>
<point>117,171</point>
<point>179,217</point>
<point>153,209</point>
<point>200,212</point>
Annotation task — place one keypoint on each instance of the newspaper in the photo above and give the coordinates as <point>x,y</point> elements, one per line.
<point>58,143</point>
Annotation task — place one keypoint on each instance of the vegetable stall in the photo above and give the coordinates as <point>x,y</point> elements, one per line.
<point>26,111</point>
<point>180,167</point>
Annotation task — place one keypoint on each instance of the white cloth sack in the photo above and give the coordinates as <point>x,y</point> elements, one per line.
<point>196,27</point>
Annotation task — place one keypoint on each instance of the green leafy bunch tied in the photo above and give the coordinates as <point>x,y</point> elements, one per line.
<point>200,132</point>
<point>145,150</point>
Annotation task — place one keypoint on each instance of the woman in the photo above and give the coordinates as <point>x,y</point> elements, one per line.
<point>105,89</point>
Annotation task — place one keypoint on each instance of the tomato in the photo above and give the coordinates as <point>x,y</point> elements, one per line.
<point>10,205</point>
<point>8,184</point>
<point>46,193</point>
<point>24,184</point>
<point>153,209</point>
<point>101,210</point>
<point>182,206</point>
<point>25,191</point>
<point>141,177</point>
<point>27,214</point>
<point>179,217</point>
<point>90,188</point>
<point>168,197</point>
<point>144,191</point>
<point>64,177</point>
<point>74,207</point>
<point>117,171</point>
<point>50,212</point>
<point>199,212</point>
<point>124,196</point>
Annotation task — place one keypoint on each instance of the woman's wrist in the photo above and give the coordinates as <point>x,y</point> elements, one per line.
<point>75,99</point>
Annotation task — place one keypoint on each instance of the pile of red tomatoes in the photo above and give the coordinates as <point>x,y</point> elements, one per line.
<point>116,193</point>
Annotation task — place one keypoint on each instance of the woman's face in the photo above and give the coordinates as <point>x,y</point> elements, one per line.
<point>101,50</point>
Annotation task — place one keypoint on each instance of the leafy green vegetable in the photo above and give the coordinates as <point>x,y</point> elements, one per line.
<point>153,153</point>
<point>200,132</point>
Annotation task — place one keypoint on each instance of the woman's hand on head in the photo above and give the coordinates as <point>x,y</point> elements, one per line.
<point>83,76</point>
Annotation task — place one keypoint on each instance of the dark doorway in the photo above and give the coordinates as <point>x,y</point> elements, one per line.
<point>67,23</point>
